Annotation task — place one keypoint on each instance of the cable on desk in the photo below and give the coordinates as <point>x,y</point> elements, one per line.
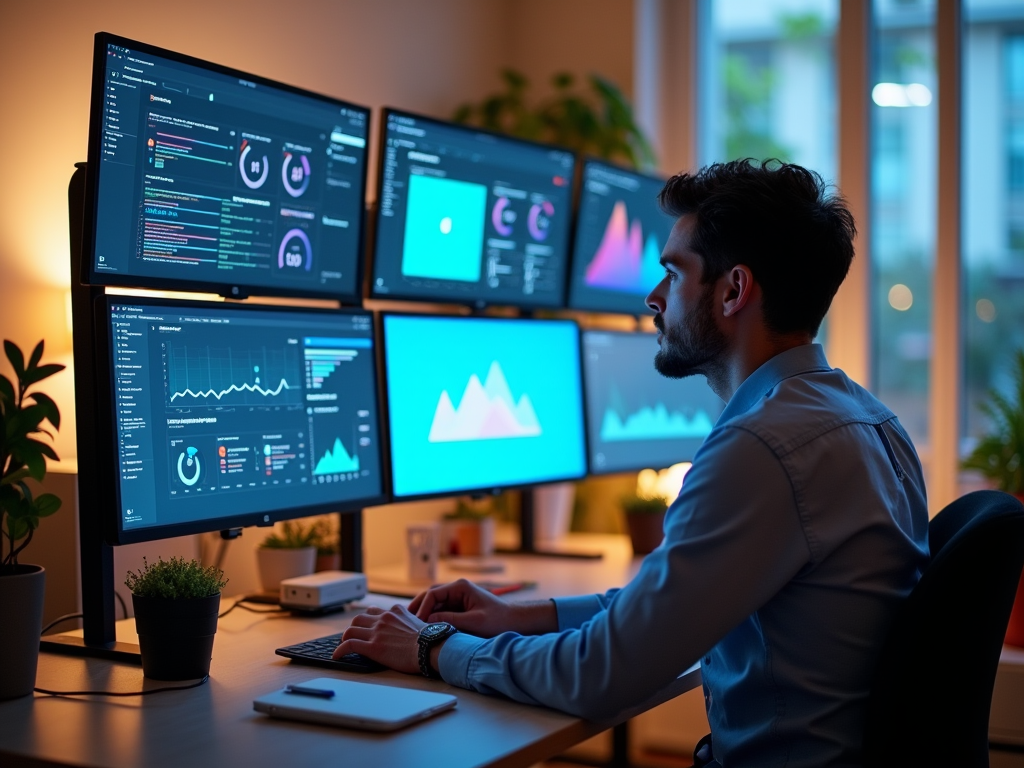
<point>240,604</point>
<point>120,693</point>
<point>59,619</point>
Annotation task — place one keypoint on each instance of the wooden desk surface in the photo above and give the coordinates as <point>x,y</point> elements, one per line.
<point>215,725</point>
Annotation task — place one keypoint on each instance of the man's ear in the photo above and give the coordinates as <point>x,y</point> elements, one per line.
<point>738,287</point>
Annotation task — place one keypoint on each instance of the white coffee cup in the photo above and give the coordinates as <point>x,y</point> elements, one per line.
<point>424,542</point>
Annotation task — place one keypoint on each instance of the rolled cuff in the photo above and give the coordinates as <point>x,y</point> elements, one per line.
<point>455,657</point>
<point>574,612</point>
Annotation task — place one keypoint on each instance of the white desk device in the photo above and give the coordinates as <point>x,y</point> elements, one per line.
<point>322,591</point>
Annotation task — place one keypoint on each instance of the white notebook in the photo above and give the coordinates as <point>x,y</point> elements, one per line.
<point>367,706</point>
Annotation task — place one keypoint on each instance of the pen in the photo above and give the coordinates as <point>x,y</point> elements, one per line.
<point>303,690</point>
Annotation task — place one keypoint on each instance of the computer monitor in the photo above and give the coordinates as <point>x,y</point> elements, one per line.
<point>470,217</point>
<point>620,231</point>
<point>219,416</point>
<point>481,404</point>
<point>203,178</point>
<point>637,418</point>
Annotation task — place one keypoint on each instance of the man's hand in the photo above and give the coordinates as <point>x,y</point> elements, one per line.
<point>389,637</point>
<point>474,610</point>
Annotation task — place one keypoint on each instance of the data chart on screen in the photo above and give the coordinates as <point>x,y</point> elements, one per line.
<point>620,232</point>
<point>228,412</point>
<point>637,418</point>
<point>208,179</point>
<point>468,217</point>
<point>493,403</point>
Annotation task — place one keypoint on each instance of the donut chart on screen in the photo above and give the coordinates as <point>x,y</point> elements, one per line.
<point>295,177</point>
<point>254,169</point>
<point>295,252</point>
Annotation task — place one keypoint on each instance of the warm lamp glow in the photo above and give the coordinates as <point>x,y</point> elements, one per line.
<point>900,297</point>
<point>651,484</point>
<point>985,310</point>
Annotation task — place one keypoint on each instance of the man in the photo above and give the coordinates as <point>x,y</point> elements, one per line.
<point>800,527</point>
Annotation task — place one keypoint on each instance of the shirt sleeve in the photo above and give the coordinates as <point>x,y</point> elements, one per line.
<point>733,538</point>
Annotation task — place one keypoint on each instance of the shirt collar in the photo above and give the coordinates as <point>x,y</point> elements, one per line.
<point>807,358</point>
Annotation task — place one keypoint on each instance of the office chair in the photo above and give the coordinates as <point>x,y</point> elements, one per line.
<point>932,691</point>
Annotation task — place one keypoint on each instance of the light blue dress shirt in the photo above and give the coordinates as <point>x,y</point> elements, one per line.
<point>799,529</point>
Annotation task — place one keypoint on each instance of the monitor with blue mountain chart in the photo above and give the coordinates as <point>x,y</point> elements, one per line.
<point>482,403</point>
<point>637,418</point>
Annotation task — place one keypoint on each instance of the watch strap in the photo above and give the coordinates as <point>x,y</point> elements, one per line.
<point>427,641</point>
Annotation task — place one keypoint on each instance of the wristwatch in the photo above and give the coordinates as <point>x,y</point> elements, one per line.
<point>431,635</point>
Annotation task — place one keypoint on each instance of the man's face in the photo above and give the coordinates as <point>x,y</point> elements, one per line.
<point>690,339</point>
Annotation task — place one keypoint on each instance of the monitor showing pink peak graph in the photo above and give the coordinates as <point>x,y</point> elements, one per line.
<point>625,260</point>
<point>620,231</point>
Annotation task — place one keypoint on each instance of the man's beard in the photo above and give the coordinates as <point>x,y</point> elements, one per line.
<point>693,347</point>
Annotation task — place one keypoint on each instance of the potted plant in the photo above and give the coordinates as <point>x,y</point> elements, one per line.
<point>328,549</point>
<point>176,605</point>
<point>599,123</point>
<point>645,518</point>
<point>22,457</point>
<point>468,531</point>
<point>999,456</point>
<point>288,553</point>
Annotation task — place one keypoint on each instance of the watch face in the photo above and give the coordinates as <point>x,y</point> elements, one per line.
<point>433,630</point>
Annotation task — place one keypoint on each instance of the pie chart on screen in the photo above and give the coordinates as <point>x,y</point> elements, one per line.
<point>254,168</point>
<point>539,220</point>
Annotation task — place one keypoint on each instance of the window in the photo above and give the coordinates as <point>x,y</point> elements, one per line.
<point>903,199</point>
<point>993,200</point>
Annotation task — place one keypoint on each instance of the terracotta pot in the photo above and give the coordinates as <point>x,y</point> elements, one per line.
<point>646,531</point>
<point>278,564</point>
<point>469,538</point>
<point>21,606</point>
<point>1015,628</point>
<point>329,562</point>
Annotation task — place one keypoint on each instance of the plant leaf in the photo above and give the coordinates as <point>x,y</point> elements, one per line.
<point>14,477</point>
<point>46,504</point>
<point>42,372</point>
<point>6,389</point>
<point>43,448</point>
<point>37,355</point>
<point>49,407</point>
<point>16,358</point>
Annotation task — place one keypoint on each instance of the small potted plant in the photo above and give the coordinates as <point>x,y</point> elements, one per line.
<point>328,549</point>
<point>645,518</point>
<point>176,604</point>
<point>999,456</point>
<point>468,531</point>
<point>287,553</point>
<point>22,457</point>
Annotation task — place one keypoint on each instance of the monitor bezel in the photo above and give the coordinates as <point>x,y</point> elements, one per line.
<point>478,304</point>
<point>239,290</point>
<point>586,409</point>
<point>106,449</point>
<point>485,490</point>
<point>587,162</point>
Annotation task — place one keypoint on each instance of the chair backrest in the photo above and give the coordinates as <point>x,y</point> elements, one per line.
<point>932,691</point>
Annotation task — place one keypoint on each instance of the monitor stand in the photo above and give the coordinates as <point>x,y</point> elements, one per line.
<point>96,557</point>
<point>527,536</point>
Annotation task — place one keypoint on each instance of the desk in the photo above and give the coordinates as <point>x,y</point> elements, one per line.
<point>214,725</point>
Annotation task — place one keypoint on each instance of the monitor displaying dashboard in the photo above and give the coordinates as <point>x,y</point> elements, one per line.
<point>637,418</point>
<point>203,178</point>
<point>470,217</point>
<point>231,415</point>
<point>481,404</point>
<point>620,232</point>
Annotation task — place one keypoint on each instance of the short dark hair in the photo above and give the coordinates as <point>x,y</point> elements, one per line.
<point>791,229</point>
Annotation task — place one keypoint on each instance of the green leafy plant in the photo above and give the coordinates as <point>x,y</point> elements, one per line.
<point>598,122</point>
<point>470,510</point>
<point>293,535</point>
<point>327,542</point>
<point>22,454</point>
<point>999,455</point>
<point>176,579</point>
<point>642,505</point>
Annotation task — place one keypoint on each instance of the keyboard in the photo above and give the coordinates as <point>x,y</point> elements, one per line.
<point>318,653</point>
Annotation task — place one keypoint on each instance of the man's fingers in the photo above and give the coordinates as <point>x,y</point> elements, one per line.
<point>352,646</point>
<point>373,610</point>
<point>414,605</point>
<point>448,616</point>
<point>365,620</point>
<point>357,633</point>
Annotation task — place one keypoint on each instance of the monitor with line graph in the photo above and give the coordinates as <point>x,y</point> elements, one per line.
<point>229,415</point>
<point>204,178</point>
<point>637,418</point>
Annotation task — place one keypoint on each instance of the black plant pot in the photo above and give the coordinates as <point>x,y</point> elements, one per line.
<point>21,618</point>
<point>176,636</point>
